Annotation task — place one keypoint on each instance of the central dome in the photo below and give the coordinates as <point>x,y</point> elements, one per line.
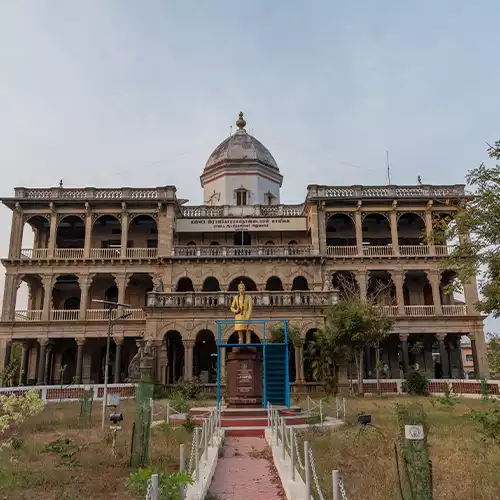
<point>241,147</point>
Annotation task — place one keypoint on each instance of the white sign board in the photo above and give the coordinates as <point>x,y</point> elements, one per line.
<point>414,432</point>
<point>229,224</point>
<point>113,399</point>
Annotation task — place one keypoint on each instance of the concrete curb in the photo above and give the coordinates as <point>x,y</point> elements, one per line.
<point>294,490</point>
<point>199,490</point>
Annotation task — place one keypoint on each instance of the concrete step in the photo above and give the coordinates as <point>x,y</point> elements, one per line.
<point>245,431</point>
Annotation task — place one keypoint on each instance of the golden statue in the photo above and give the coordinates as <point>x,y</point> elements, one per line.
<point>241,307</point>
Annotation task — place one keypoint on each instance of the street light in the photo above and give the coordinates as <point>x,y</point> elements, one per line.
<point>109,303</point>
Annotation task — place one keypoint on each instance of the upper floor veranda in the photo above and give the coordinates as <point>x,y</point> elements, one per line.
<point>143,224</point>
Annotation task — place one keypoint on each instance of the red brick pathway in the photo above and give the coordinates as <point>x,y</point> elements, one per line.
<point>244,471</point>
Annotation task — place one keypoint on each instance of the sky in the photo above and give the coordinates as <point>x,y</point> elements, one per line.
<point>128,93</point>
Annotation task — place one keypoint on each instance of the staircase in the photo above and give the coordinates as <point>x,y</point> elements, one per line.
<point>275,375</point>
<point>250,421</point>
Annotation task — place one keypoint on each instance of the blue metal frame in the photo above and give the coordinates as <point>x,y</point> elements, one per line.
<point>263,322</point>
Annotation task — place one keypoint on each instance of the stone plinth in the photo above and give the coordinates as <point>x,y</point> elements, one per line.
<point>244,377</point>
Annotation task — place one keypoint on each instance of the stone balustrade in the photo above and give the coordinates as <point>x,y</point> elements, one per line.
<point>390,192</point>
<point>223,299</point>
<point>247,211</point>
<point>74,315</point>
<point>242,251</point>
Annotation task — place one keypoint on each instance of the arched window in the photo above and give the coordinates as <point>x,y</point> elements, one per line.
<point>72,303</point>
<point>184,285</point>
<point>300,283</point>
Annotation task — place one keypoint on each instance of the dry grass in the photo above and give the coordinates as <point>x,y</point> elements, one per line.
<point>463,466</point>
<point>30,473</point>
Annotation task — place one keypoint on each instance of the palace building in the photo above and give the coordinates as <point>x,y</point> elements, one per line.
<point>175,268</point>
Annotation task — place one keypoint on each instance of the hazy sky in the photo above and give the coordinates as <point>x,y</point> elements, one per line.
<point>138,93</point>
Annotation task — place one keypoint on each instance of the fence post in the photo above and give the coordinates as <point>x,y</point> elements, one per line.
<point>206,440</point>
<point>276,428</point>
<point>292,454</point>
<point>197,439</point>
<point>321,411</point>
<point>336,485</point>
<point>182,460</point>
<point>283,439</point>
<point>154,483</point>
<point>168,413</point>
<point>307,467</point>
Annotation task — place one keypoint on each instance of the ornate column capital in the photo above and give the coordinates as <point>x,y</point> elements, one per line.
<point>441,336</point>
<point>44,342</point>
<point>80,341</point>
<point>48,281</point>
<point>118,340</point>
<point>403,337</point>
<point>85,280</point>
<point>189,343</point>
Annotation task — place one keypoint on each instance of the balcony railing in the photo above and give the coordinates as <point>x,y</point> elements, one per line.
<point>420,310</point>
<point>74,315</point>
<point>387,251</point>
<point>32,315</point>
<point>105,253</point>
<point>247,210</point>
<point>342,251</point>
<point>34,253</point>
<point>391,310</point>
<point>68,253</point>
<point>142,253</point>
<point>243,251</point>
<point>454,310</point>
<point>223,299</point>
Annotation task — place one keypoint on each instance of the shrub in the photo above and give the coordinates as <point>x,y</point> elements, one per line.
<point>416,384</point>
<point>189,424</point>
<point>169,485</point>
<point>488,424</point>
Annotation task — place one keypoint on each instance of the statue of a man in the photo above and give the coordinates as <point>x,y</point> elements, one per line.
<point>241,307</point>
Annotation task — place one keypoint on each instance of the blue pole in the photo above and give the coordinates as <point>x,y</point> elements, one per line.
<point>264,350</point>
<point>287,368</point>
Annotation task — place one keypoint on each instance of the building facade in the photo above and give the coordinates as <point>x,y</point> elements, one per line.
<point>174,268</point>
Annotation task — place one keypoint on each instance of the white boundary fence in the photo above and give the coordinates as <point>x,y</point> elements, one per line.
<point>205,438</point>
<point>72,393</point>
<point>284,438</point>
<point>322,405</point>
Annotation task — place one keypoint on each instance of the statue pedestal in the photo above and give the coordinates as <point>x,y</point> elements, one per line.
<point>244,377</point>
<point>146,367</point>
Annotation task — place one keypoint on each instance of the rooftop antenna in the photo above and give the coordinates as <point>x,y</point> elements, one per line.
<point>388,167</point>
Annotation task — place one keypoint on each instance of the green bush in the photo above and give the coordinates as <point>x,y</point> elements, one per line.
<point>169,485</point>
<point>488,424</point>
<point>416,384</point>
<point>189,424</point>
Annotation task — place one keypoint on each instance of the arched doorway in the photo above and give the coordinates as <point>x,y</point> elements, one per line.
<point>250,285</point>
<point>175,355</point>
<point>205,357</point>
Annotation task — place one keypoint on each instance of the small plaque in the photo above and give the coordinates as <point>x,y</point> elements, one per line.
<point>115,427</point>
<point>113,400</point>
<point>414,432</point>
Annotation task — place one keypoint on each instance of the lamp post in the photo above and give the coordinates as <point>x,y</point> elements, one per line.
<point>110,307</point>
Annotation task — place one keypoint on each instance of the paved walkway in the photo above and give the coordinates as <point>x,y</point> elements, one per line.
<point>244,472</point>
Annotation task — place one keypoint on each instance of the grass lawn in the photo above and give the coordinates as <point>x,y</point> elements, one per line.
<point>463,466</point>
<point>29,473</point>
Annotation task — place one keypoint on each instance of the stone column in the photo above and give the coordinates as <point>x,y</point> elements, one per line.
<point>429,231</point>
<point>223,365</point>
<point>53,232</point>
<point>23,378</point>
<point>443,352</point>
<point>471,296</point>
<point>361,277</point>
<point>398,277</point>
<point>84,281</point>
<point>322,230</point>
<point>358,221</point>
<point>47,296</point>
<point>121,283</point>
<point>88,232</point>
<point>313,226</point>
<point>435,280</point>
<point>7,354</point>
<point>79,359</point>
<point>16,233</point>
<point>479,348</point>
<point>166,220</point>
<point>302,377</point>
<point>48,354</point>
<point>40,378</point>
<point>123,251</point>
<point>118,357</point>
<point>403,338</point>
<point>297,364</point>
<point>188,359</point>
<point>9,297</point>
<point>394,232</point>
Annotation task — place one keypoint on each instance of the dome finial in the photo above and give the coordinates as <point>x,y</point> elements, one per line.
<point>240,123</point>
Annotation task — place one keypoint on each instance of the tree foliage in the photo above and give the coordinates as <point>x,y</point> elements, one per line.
<point>494,354</point>
<point>278,334</point>
<point>477,225</point>
<point>14,410</point>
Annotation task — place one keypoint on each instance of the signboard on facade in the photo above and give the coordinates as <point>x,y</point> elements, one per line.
<point>229,224</point>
